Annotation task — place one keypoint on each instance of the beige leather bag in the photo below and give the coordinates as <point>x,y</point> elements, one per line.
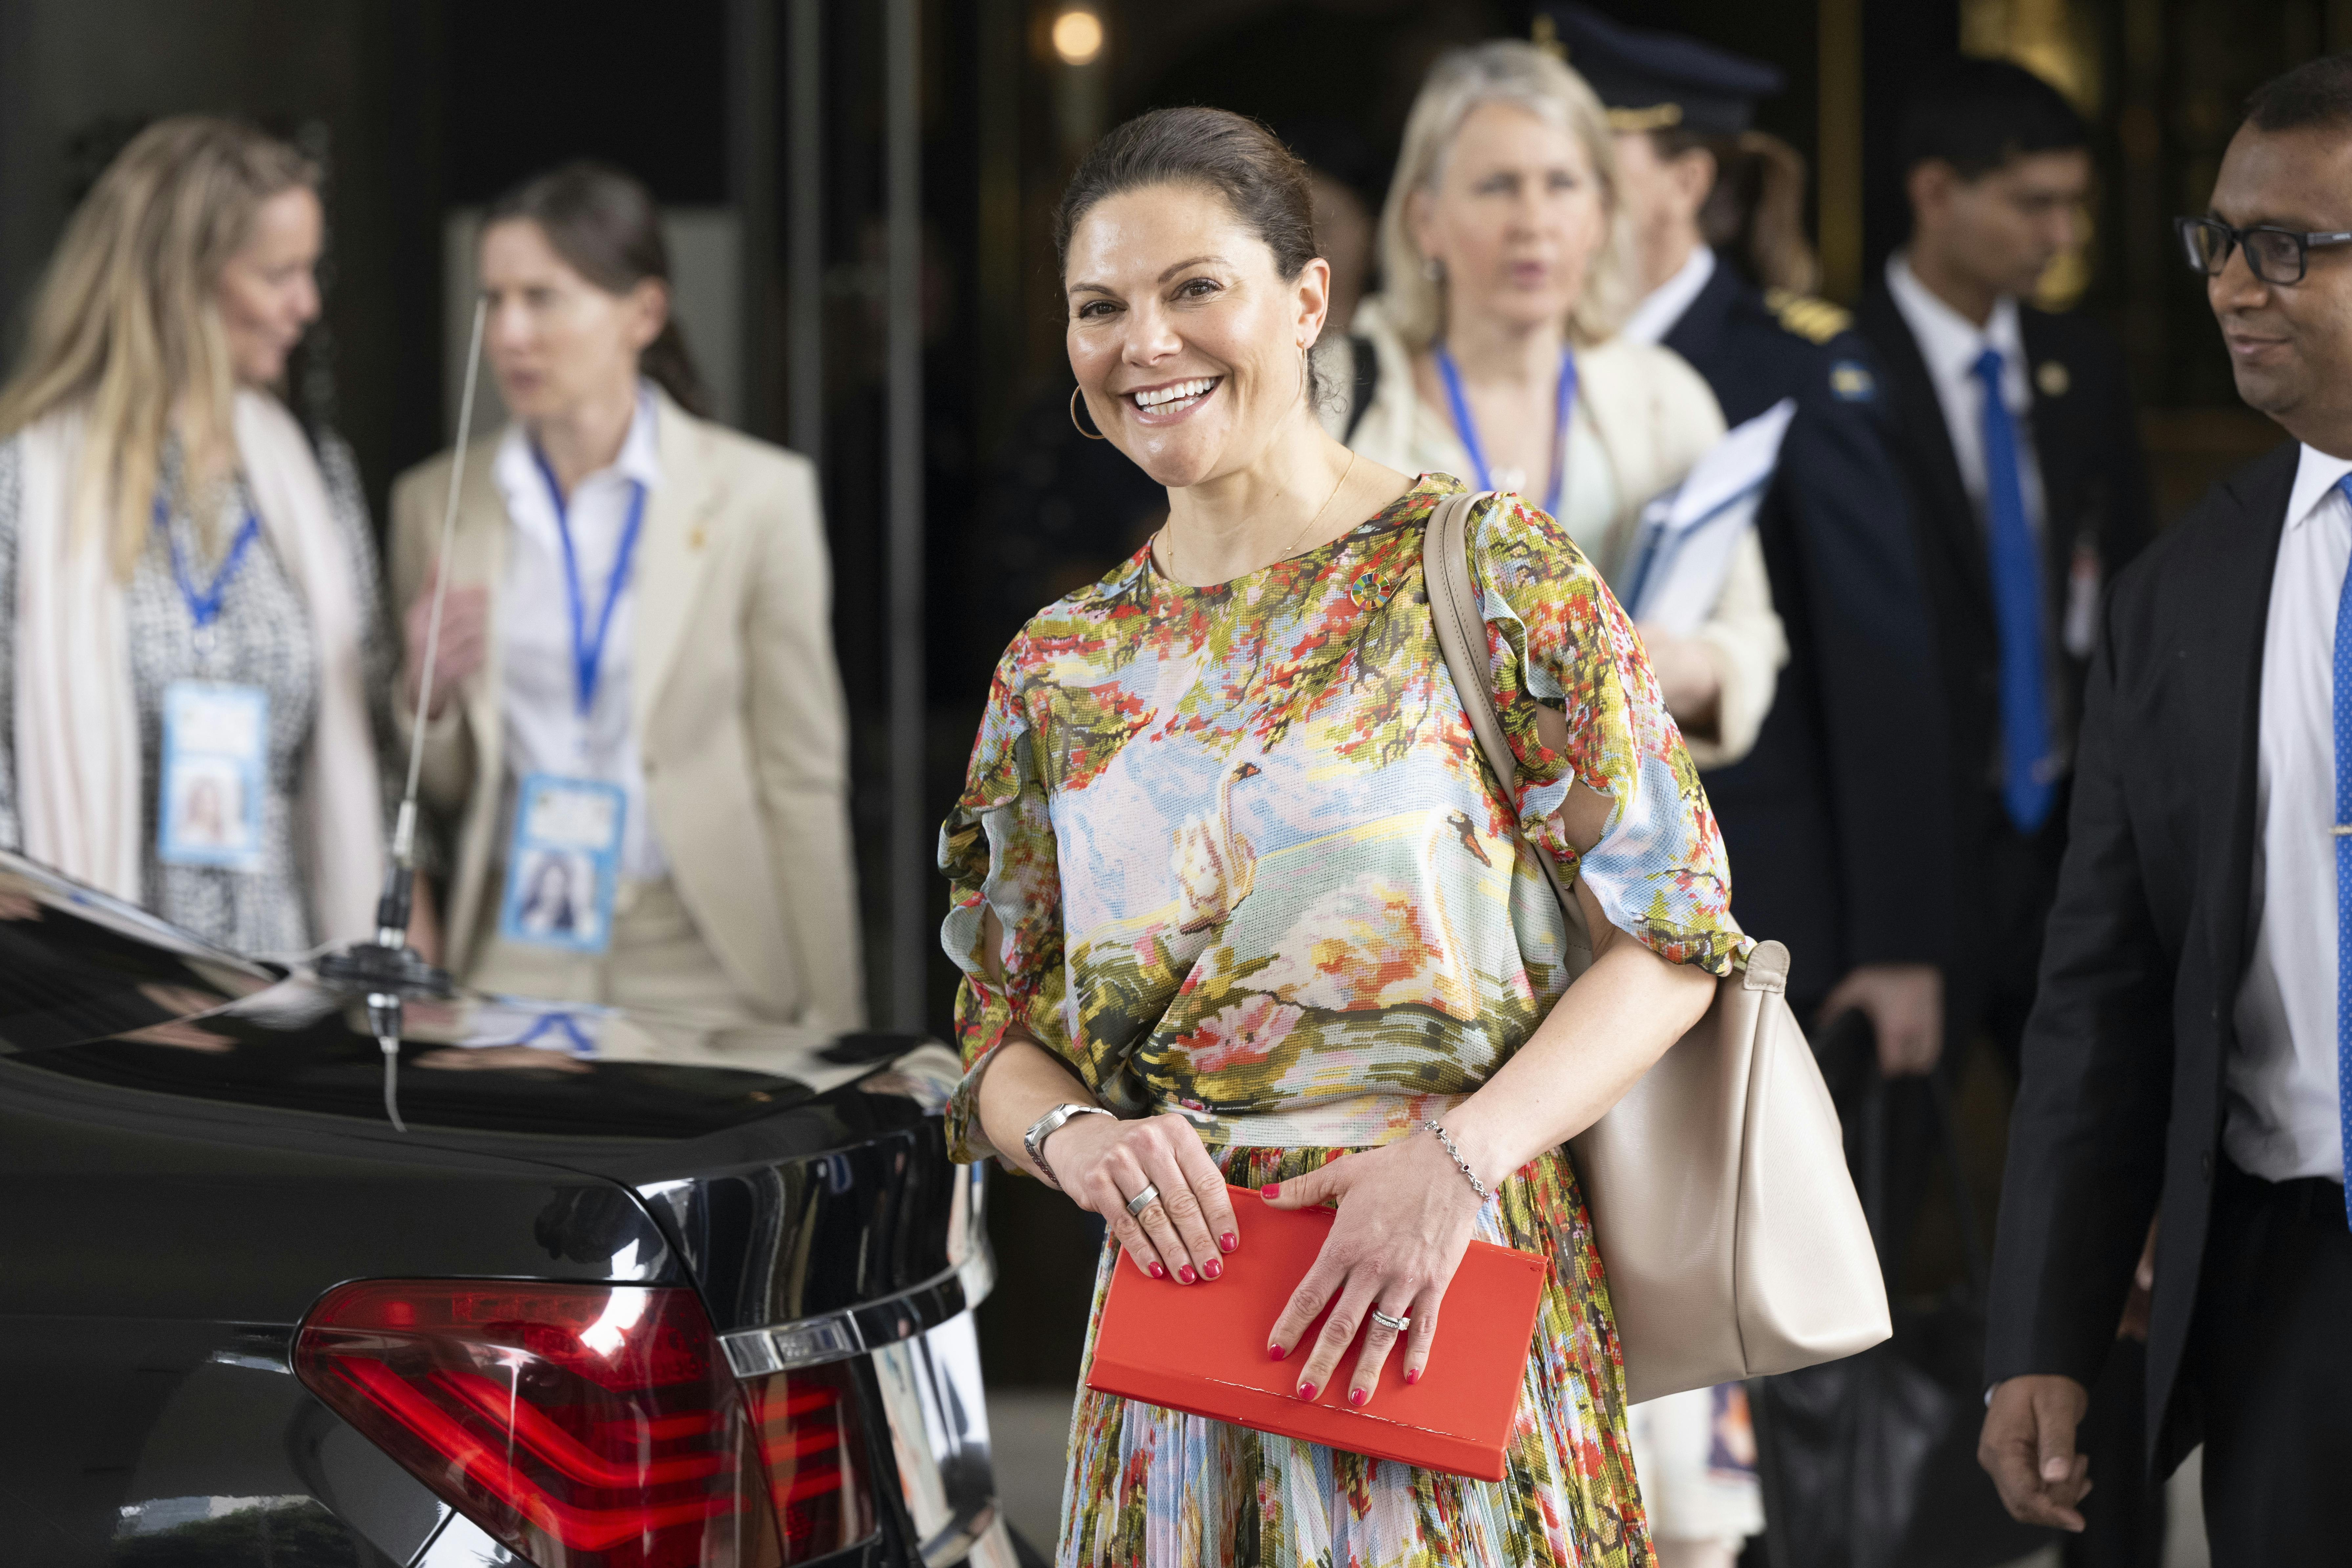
<point>1726,1219</point>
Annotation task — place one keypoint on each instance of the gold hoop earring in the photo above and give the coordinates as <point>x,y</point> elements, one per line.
<point>1081,429</point>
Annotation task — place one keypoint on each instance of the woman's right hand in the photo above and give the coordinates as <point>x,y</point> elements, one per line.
<point>1103,1161</point>
<point>463,647</point>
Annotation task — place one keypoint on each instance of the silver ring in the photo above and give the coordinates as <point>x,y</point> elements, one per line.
<point>1393,1325</point>
<point>1141,1200</point>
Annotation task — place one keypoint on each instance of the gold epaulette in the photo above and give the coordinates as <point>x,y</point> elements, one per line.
<point>1816,320</point>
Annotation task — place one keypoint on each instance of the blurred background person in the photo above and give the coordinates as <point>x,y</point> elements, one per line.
<point>188,585</point>
<point>2029,487</point>
<point>637,660</point>
<point>2016,432</point>
<point>1506,268</point>
<point>2191,1046</point>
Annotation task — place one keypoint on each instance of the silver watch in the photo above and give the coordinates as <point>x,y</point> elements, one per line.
<point>1044,1127</point>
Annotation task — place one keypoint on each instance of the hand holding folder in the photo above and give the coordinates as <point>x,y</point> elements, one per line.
<point>1203,1349</point>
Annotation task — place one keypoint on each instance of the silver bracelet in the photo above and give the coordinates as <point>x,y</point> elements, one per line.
<point>1460,1164</point>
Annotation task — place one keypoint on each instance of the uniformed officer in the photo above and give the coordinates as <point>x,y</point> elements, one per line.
<point>1835,824</point>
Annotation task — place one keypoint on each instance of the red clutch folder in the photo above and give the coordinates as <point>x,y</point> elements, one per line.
<point>1202,1349</point>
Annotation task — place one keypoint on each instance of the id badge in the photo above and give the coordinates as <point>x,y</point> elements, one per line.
<point>563,863</point>
<point>215,754</point>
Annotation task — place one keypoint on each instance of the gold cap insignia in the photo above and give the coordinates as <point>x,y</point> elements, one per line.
<point>1657,117</point>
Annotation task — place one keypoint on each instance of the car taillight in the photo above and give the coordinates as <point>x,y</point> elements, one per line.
<point>593,1426</point>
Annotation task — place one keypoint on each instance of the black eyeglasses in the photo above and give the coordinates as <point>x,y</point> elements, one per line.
<point>2274,254</point>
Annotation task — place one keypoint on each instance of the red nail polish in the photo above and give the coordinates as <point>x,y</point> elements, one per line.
<point>1229,1241</point>
<point>1212,1268</point>
<point>1412,1374</point>
<point>1271,1190</point>
<point>1357,1396</point>
<point>1273,1353</point>
<point>1306,1391</point>
<point>1186,1274</point>
<point>1157,1272</point>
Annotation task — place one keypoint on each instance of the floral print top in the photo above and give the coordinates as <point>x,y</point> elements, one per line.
<point>1248,863</point>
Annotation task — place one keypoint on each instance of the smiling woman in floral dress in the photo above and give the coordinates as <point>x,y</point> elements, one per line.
<point>1227,867</point>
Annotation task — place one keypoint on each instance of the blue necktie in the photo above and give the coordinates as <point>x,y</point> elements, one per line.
<point>2342,699</point>
<point>2026,786</point>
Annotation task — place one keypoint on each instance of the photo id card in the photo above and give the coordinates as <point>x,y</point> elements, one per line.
<point>215,754</point>
<point>564,865</point>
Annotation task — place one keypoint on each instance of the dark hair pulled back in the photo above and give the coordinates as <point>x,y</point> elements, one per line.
<point>1232,154</point>
<point>1237,158</point>
<point>605,224</point>
<point>1756,213</point>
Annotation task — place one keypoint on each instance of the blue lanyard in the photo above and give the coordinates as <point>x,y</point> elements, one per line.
<point>587,652</point>
<point>204,604</point>
<point>552,1023</point>
<point>1469,432</point>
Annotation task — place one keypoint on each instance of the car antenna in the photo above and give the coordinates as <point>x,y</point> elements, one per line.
<point>388,967</point>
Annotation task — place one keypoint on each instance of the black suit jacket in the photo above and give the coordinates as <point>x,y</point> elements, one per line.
<point>2120,1106</point>
<point>1833,824</point>
<point>2095,495</point>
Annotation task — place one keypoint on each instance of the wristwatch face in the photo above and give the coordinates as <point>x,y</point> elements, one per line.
<point>1044,1127</point>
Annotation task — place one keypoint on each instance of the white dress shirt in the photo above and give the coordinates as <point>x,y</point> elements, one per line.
<point>544,730</point>
<point>1655,316</point>
<point>2279,1106</point>
<point>1950,343</point>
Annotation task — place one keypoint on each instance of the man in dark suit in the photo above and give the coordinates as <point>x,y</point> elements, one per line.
<point>2189,1046</point>
<point>2029,488</point>
<point>1833,823</point>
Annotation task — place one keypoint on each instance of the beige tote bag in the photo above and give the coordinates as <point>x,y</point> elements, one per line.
<point>1727,1222</point>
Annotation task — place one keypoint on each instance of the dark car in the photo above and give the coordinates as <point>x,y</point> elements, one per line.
<point>627,1292</point>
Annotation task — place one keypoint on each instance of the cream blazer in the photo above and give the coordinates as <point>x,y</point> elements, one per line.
<point>738,709</point>
<point>1643,417</point>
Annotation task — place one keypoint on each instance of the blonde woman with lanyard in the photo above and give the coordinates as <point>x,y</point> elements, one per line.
<point>637,724</point>
<point>190,627</point>
<point>1489,355</point>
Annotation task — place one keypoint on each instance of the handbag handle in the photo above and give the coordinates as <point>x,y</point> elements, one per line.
<point>1460,622</point>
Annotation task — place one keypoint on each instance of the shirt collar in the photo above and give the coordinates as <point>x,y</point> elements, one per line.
<point>1655,316</point>
<point>1949,340</point>
<point>640,456</point>
<point>2315,476</point>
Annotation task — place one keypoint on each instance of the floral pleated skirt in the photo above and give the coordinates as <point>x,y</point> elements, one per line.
<point>1155,1487</point>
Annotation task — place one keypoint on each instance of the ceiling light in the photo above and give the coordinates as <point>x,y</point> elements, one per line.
<point>1077,37</point>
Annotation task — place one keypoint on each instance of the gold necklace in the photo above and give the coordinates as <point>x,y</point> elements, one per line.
<point>1167,540</point>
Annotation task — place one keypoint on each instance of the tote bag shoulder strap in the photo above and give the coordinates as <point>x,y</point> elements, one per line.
<point>1461,625</point>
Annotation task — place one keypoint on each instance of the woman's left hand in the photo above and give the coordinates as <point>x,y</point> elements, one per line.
<point>1406,1216</point>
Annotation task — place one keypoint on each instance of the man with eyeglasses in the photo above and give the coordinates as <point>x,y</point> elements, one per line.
<point>2191,1046</point>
